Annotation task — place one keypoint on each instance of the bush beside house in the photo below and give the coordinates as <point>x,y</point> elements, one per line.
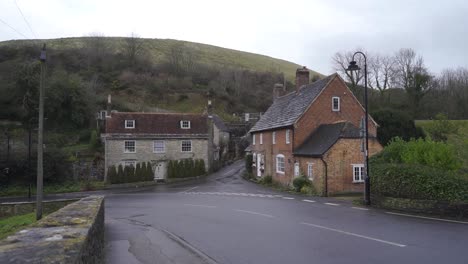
<point>128,174</point>
<point>185,168</point>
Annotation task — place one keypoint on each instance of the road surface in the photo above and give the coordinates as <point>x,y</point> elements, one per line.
<point>226,219</point>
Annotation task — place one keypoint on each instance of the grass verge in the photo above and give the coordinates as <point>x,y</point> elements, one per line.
<point>13,224</point>
<point>66,187</point>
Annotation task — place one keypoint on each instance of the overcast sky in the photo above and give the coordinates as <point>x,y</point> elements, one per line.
<point>306,32</point>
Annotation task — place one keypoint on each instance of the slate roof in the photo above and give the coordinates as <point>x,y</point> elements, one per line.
<point>287,109</point>
<point>220,123</point>
<point>323,138</point>
<point>156,123</point>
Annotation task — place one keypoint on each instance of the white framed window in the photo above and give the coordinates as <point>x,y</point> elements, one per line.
<point>261,138</point>
<point>280,163</point>
<point>185,124</point>
<point>273,137</point>
<point>253,139</point>
<point>186,146</point>
<point>129,123</point>
<point>297,172</point>
<point>310,171</point>
<point>159,146</point>
<point>288,134</point>
<point>358,172</point>
<point>129,163</point>
<point>335,103</point>
<point>129,146</point>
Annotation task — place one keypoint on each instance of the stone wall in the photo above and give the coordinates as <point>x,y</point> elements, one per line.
<point>73,234</point>
<point>440,208</point>
<point>19,208</point>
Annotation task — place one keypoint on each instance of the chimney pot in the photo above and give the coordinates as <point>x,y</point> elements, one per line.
<point>278,90</point>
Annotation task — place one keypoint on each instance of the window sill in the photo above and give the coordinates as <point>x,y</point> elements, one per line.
<point>127,152</point>
<point>358,181</point>
<point>280,172</point>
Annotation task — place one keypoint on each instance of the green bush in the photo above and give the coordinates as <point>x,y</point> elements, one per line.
<point>266,180</point>
<point>300,182</point>
<point>120,174</point>
<point>248,162</point>
<point>395,123</point>
<point>309,190</point>
<point>112,174</point>
<point>424,152</point>
<point>415,181</point>
<point>149,176</point>
<point>441,128</point>
<point>186,168</point>
<point>94,141</point>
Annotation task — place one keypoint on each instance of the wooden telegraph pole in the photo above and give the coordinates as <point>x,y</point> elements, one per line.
<point>40,138</point>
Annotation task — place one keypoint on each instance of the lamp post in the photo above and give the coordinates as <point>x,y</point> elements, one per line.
<point>40,139</point>
<point>354,67</point>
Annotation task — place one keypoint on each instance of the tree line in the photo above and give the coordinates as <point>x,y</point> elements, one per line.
<point>403,81</point>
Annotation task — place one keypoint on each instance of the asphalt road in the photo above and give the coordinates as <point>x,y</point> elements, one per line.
<point>229,220</point>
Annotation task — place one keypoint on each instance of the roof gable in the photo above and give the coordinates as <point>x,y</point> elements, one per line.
<point>286,110</point>
<point>157,123</point>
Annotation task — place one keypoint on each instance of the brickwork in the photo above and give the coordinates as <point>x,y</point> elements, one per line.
<point>320,112</point>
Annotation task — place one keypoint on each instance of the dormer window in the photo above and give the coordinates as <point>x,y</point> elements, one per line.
<point>185,124</point>
<point>335,104</point>
<point>129,123</point>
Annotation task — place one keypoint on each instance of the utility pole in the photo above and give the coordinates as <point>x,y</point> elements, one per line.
<point>40,139</point>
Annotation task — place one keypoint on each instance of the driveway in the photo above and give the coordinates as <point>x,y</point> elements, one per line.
<point>225,219</point>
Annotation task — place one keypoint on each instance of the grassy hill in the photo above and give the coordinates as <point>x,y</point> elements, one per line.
<point>158,49</point>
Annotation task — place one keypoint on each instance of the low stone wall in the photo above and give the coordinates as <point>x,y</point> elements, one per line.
<point>452,209</point>
<point>73,234</point>
<point>19,208</point>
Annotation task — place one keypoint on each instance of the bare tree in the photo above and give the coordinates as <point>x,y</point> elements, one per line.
<point>381,72</point>
<point>340,63</point>
<point>413,76</point>
<point>95,48</point>
<point>133,48</point>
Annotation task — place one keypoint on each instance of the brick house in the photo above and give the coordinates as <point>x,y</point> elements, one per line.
<point>130,138</point>
<point>313,131</point>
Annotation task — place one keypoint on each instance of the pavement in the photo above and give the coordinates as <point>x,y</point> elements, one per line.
<point>226,219</point>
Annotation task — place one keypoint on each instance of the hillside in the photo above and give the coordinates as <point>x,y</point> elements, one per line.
<point>143,74</point>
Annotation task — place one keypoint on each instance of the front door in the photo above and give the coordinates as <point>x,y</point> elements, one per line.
<point>296,169</point>
<point>259,165</point>
<point>160,170</point>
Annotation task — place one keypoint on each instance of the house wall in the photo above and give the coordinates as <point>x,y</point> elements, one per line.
<point>270,151</point>
<point>340,159</point>
<point>318,171</point>
<point>144,151</point>
<point>320,112</point>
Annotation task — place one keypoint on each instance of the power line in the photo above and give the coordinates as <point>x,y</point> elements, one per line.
<point>13,29</point>
<point>27,23</point>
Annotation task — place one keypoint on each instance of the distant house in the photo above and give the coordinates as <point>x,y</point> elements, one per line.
<point>313,131</point>
<point>221,137</point>
<point>131,138</point>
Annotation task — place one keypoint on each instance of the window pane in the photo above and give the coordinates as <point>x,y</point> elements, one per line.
<point>186,146</point>
<point>129,146</point>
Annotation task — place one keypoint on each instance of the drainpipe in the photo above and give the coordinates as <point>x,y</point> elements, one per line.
<point>325,186</point>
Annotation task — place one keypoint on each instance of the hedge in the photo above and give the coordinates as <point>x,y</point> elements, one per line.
<point>414,181</point>
<point>185,168</point>
<point>142,172</point>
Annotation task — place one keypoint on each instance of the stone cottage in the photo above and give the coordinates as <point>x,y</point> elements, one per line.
<point>313,131</point>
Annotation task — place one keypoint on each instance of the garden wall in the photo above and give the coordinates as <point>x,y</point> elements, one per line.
<point>19,208</point>
<point>73,234</point>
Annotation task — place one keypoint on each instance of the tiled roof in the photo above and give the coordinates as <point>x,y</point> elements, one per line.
<point>220,123</point>
<point>157,123</point>
<point>287,109</point>
<point>324,137</point>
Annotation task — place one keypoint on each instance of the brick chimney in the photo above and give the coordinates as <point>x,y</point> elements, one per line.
<point>302,77</point>
<point>278,90</point>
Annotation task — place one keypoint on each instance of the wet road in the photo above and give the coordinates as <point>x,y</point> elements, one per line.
<point>226,219</point>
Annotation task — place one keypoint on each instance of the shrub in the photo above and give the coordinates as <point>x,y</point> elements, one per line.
<point>423,152</point>
<point>441,127</point>
<point>248,162</point>
<point>415,181</point>
<point>299,182</point>
<point>94,141</point>
<point>267,180</point>
<point>120,174</point>
<point>112,174</point>
<point>149,176</point>
<point>309,190</point>
<point>138,174</point>
<point>394,123</point>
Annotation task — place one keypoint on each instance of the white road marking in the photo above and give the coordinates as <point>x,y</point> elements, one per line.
<point>228,172</point>
<point>429,218</point>
<point>190,189</point>
<point>333,204</point>
<point>254,213</point>
<point>201,205</point>
<point>361,208</point>
<point>353,234</point>
<point>309,201</point>
<point>288,198</point>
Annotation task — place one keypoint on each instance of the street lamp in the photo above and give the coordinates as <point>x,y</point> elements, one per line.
<point>354,67</point>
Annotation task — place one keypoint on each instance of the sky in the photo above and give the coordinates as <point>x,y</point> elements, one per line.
<point>306,32</point>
